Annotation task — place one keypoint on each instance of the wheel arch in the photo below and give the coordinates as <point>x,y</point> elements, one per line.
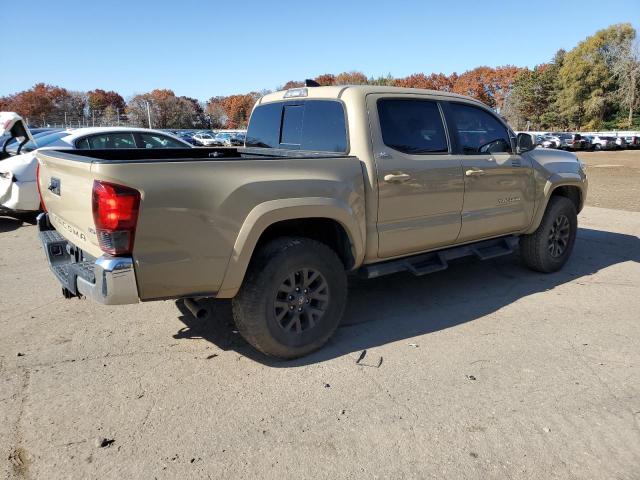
<point>574,190</point>
<point>324,219</point>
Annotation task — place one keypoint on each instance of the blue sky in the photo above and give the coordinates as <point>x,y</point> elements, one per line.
<point>202,49</point>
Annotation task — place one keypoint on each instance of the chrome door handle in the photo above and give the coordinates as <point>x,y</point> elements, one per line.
<point>474,172</point>
<point>384,155</point>
<point>396,178</point>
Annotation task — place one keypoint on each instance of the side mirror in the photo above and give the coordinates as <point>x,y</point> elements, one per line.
<point>525,142</point>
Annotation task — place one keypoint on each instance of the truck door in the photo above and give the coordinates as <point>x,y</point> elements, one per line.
<point>499,184</point>
<point>420,182</point>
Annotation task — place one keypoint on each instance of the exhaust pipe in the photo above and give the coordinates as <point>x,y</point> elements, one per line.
<point>197,309</point>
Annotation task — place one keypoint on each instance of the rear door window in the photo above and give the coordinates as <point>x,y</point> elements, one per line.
<point>317,125</point>
<point>412,126</point>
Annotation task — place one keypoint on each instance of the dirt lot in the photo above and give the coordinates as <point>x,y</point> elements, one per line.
<point>614,179</point>
<point>486,370</point>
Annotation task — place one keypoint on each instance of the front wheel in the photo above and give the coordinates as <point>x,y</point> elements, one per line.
<point>292,297</point>
<point>549,247</point>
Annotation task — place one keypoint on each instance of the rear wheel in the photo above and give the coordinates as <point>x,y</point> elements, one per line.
<point>549,247</point>
<point>597,146</point>
<point>292,298</point>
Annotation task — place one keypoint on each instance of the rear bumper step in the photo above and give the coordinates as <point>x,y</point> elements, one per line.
<point>426,263</point>
<point>107,280</point>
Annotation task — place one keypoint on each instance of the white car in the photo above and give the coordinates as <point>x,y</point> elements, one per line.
<point>18,190</point>
<point>621,143</point>
<point>204,138</point>
<point>550,141</point>
<point>601,142</point>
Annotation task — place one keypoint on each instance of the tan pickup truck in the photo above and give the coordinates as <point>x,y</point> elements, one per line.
<point>332,181</point>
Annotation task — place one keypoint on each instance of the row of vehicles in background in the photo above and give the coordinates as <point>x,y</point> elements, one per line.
<point>18,164</point>
<point>209,138</point>
<point>18,191</point>
<point>577,141</point>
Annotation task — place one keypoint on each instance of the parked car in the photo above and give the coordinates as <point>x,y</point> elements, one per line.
<point>588,142</point>
<point>187,137</point>
<point>621,143</point>
<point>18,192</point>
<point>601,142</point>
<point>633,141</point>
<point>551,141</point>
<point>205,139</point>
<point>571,141</point>
<point>223,139</point>
<point>278,232</point>
<point>237,139</point>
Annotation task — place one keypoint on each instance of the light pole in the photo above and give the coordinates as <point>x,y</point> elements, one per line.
<point>148,113</point>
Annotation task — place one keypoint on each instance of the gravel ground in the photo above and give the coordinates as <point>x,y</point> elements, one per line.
<point>485,370</point>
<point>614,179</point>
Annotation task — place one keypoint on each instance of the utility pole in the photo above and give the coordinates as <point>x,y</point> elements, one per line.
<point>93,118</point>
<point>118,115</point>
<point>65,119</point>
<point>148,113</point>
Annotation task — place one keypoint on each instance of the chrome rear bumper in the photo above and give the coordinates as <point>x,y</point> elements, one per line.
<point>107,280</point>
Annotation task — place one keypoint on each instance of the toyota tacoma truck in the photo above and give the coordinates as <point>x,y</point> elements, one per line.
<point>331,181</point>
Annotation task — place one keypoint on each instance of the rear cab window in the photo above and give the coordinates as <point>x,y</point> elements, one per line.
<point>317,125</point>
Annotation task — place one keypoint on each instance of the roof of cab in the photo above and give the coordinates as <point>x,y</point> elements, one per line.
<point>335,92</point>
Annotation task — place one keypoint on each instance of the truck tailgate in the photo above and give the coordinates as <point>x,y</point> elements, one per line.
<point>66,183</point>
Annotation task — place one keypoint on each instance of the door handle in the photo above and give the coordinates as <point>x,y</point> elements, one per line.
<point>474,172</point>
<point>383,155</point>
<point>396,177</point>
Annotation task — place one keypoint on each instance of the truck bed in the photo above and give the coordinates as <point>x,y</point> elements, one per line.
<point>196,204</point>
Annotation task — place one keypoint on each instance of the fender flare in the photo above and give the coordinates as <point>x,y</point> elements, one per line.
<point>268,213</point>
<point>555,181</point>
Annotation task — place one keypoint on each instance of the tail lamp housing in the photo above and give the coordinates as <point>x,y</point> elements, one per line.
<point>115,214</point>
<point>42,205</point>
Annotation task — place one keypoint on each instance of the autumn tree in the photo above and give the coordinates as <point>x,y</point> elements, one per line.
<point>434,81</point>
<point>41,102</point>
<point>326,79</point>
<point>417,80</point>
<point>166,109</point>
<point>216,113</point>
<point>351,78</point>
<point>292,84</point>
<point>99,101</point>
<point>475,83</point>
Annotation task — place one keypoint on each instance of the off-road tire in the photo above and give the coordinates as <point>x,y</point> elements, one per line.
<point>253,308</point>
<point>537,251</point>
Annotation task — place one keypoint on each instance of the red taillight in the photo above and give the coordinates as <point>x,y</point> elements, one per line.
<point>115,213</point>
<point>44,207</point>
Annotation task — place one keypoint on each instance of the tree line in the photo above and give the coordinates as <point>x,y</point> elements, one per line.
<point>593,86</point>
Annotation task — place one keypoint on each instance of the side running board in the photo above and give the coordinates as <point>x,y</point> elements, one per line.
<point>437,261</point>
